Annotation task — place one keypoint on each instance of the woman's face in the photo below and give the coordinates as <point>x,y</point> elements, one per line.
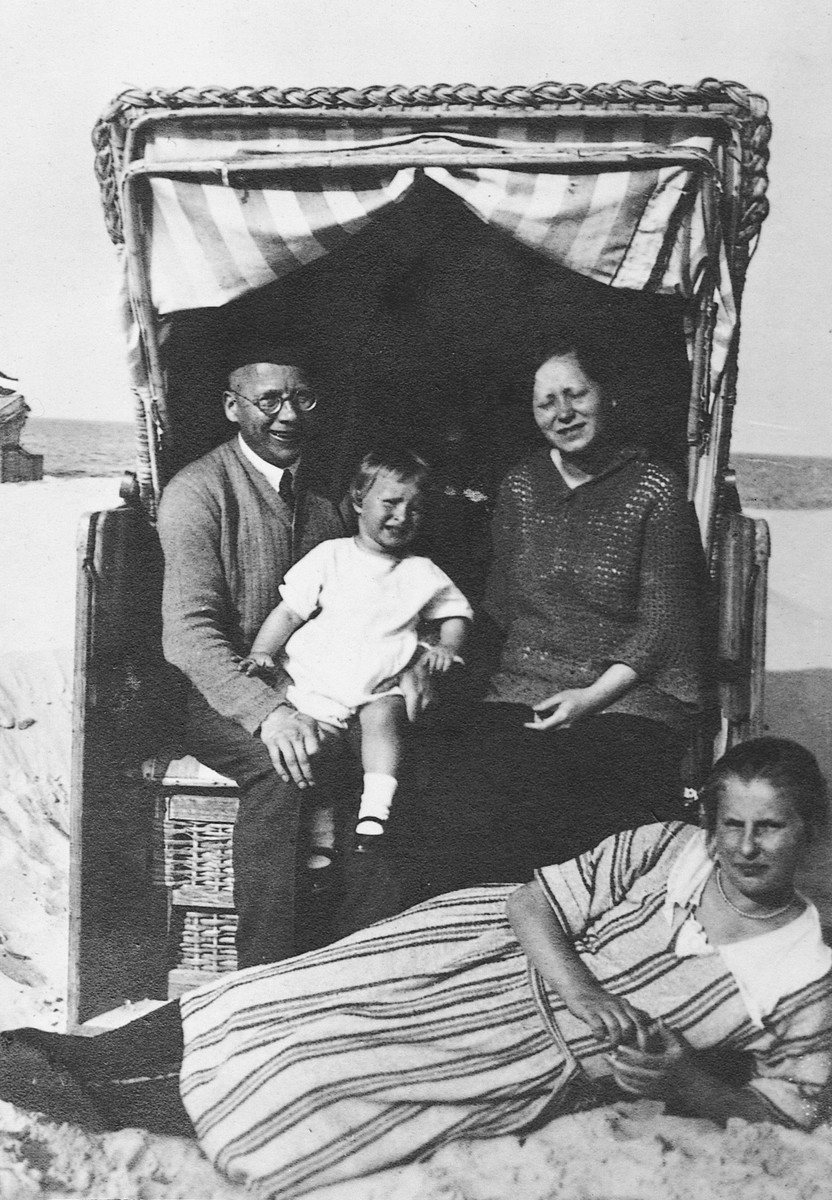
<point>569,407</point>
<point>759,840</point>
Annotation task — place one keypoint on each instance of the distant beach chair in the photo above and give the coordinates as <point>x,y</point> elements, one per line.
<point>16,464</point>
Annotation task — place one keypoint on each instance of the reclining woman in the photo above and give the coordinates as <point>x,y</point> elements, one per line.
<point>491,1010</point>
<point>597,586</point>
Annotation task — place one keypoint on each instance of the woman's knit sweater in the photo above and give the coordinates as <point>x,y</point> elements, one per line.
<point>608,572</point>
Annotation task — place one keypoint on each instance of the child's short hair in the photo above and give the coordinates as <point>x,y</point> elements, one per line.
<point>401,463</point>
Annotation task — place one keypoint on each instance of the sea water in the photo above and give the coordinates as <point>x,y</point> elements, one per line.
<point>81,447</point>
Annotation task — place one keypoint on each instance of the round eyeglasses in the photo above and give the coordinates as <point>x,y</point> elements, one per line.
<point>302,399</point>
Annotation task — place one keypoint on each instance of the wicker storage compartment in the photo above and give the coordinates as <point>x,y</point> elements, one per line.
<point>206,940</point>
<point>203,942</point>
<point>196,848</point>
<point>192,847</point>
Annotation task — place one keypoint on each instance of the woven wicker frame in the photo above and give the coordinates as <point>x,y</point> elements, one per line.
<point>195,834</point>
<point>206,941</point>
<point>198,855</point>
<point>743,111</point>
<point>746,110</point>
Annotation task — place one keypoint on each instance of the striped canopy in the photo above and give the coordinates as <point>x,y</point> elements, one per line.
<point>619,203</point>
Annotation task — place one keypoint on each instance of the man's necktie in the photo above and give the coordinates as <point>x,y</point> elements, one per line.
<point>286,489</point>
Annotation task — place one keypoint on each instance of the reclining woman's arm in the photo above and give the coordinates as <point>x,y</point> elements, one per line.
<point>671,1073</point>
<point>648,1059</point>
<point>549,947</point>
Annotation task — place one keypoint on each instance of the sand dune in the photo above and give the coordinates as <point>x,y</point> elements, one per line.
<point>38,522</point>
<point>622,1152</point>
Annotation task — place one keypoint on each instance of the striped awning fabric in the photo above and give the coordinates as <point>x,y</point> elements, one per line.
<point>607,208</point>
<point>214,243</point>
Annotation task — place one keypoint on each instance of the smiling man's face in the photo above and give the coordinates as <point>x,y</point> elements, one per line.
<point>277,439</point>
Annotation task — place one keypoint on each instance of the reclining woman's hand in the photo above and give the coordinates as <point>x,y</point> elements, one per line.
<point>657,1066</point>
<point>292,739</point>
<point>610,1018</point>
<point>664,1067</point>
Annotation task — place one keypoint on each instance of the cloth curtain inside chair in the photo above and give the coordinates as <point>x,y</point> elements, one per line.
<point>633,214</point>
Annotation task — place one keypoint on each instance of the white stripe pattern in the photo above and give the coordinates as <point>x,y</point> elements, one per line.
<point>424,1028</point>
<point>612,225</point>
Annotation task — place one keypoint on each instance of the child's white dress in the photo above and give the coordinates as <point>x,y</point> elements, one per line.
<point>362,611</point>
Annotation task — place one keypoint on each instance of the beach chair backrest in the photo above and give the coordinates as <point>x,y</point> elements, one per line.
<point>423,242</point>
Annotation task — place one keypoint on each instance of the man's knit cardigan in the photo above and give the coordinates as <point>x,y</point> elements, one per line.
<point>608,572</point>
<point>228,538</point>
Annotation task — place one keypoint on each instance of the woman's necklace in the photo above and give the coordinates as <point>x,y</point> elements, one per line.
<point>768,916</point>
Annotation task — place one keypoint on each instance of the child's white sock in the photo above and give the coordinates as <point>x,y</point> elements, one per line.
<point>376,800</point>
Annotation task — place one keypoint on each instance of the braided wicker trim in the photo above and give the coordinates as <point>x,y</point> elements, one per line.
<point>748,110</point>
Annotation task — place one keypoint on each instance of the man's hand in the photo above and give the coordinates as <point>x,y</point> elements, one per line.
<point>292,739</point>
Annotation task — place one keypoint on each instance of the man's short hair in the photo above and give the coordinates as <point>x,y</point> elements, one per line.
<point>398,461</point>
<point>282,354</point>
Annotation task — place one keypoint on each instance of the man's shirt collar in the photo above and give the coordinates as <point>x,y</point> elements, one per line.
<point>272,474</point>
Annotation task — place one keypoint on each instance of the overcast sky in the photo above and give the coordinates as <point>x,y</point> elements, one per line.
<point>62,63</point>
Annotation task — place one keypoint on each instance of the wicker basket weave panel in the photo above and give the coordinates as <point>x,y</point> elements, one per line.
<point>198,855</point>
<point>206,941</point>
<point>196,837</point>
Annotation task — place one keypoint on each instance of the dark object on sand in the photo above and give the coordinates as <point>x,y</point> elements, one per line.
<point>16,464</point>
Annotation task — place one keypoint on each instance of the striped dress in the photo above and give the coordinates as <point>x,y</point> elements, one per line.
<point>430,1027</point>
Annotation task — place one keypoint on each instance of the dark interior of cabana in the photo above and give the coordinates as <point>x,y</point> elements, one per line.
<point>425,327</point>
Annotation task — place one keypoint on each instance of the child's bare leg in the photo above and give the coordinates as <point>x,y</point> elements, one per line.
<point>383,724</point>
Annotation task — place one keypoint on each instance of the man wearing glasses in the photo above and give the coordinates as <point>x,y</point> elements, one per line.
<point>231,524</point>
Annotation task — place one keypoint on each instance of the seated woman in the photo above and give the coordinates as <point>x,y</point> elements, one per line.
<point>488,1011</point>
<point>598,587</point>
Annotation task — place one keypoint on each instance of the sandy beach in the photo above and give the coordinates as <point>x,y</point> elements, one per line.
<point>622,1152</point>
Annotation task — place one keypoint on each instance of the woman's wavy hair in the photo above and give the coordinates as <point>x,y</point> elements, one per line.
<point>398,461</point>
<point>593,351</point>
<point>786,766</point>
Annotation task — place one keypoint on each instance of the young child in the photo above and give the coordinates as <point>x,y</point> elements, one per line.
<point>347,625</point>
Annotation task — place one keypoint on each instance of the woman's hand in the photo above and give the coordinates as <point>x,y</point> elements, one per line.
<point>666,1068</point>
<point>565,709</point>
<point>573,704</point>
<point>610,1018</point>
<point>656,1067</point>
